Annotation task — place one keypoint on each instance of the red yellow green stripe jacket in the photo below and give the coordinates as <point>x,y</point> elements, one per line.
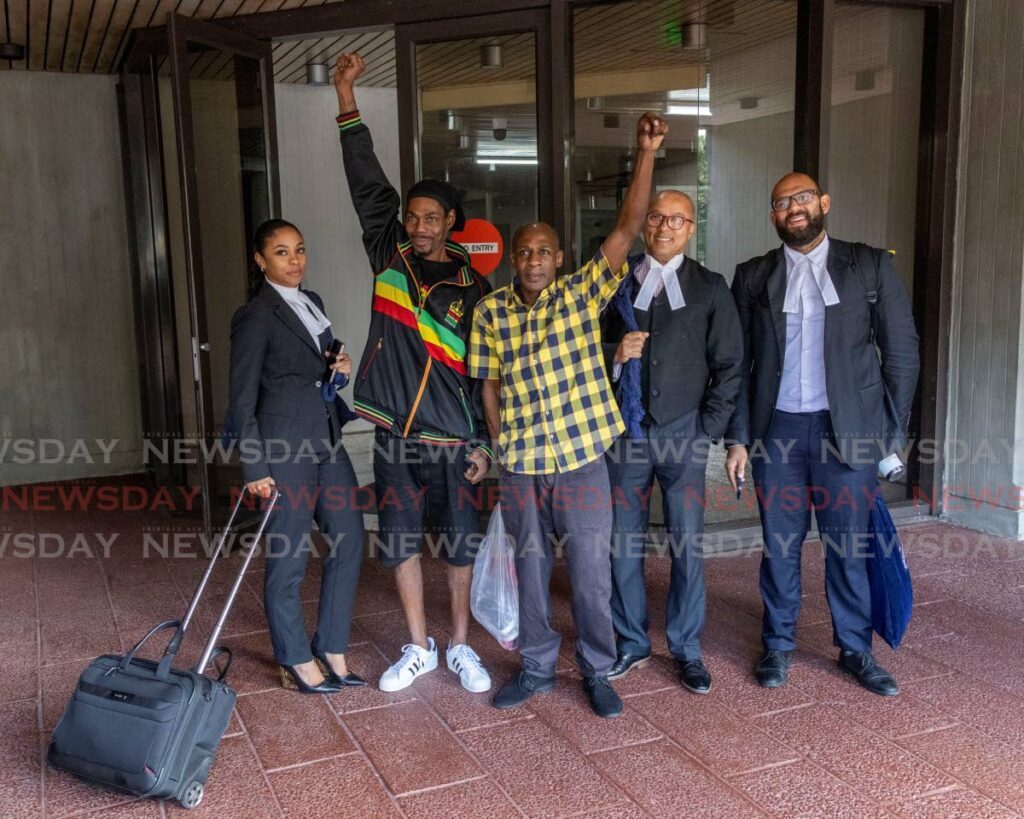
<point>412,377</point>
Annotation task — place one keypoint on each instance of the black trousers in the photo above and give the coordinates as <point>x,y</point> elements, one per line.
<point>676,454</point>
<point>320,488</point>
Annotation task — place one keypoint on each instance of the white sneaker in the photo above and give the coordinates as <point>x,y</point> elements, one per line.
<point>414,662</point>
<point>466,663</point>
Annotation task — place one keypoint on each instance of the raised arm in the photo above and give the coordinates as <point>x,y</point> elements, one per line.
<point>650,133</point>
<point>375,199</point>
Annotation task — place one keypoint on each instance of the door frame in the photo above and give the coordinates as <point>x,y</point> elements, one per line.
<point>144,172</point>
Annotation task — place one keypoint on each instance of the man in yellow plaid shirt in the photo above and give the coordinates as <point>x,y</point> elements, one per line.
<point>537,346</point>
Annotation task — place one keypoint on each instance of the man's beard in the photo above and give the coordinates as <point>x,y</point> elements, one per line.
<point>805,235</point>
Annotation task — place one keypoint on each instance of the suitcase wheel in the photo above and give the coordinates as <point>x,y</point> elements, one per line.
<point>192,796</point>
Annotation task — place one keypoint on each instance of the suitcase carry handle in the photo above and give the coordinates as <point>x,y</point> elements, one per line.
<point>127,659</point>
<point>163,669</point>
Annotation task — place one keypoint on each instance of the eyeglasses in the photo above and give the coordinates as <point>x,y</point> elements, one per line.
<point>674,222</point>
<point>802,198</point>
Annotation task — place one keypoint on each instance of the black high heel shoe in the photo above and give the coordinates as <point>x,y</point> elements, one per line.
<point>291,680</point>
<point>350,680</point>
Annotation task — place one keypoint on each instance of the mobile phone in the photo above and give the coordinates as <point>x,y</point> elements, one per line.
<point>739,487</point>
<point>336,349</point>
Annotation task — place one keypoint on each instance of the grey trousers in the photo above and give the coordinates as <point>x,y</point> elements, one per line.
<point>569,512</point>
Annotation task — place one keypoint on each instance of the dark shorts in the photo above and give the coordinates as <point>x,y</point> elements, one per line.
<point>419,484</point>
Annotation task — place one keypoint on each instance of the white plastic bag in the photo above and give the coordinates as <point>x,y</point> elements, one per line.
<point>494,596</point>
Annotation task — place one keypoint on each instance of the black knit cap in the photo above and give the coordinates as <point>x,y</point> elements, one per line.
<point>449,197</point>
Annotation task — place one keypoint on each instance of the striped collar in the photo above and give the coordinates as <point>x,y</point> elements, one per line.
<point>456,251</point>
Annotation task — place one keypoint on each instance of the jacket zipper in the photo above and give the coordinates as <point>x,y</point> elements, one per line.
<point>422,297</point>
<point>373,355</point>
<point>465,409</point>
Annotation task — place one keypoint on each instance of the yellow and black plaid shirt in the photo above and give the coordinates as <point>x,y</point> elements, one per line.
<point>558,411</point>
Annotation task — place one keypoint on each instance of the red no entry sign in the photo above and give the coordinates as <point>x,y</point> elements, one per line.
<point>483,241</point>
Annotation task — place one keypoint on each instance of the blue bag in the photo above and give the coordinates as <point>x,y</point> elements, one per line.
<point>892,595</point>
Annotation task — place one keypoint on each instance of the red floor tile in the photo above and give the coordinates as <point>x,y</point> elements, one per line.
<point>804,789</point>
<point>410,748</point>
<point>542,773</point>
<point>481,799</point>
<point>980,762</point>
<point>21,797</point>
<point>994,712</point>
<point>951,742</point>
<point>891,717</point>
<point>459,708</point>
<point>726,743</point>
<point>877,769</point>
<point>236,787</point>
<point>733,685</point>
<point>139,809</point>
<point>567,711</point>
<point>20,677</point>
<point>253,667</point>
<point>955,802</point>
<point>288,728</point>
<point>666,782</point>
<point>138,608</point>
<point>345,786</point>
<point>19,744</point>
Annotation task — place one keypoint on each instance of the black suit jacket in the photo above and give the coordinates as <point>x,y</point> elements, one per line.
<point>856,383</point>
<point>698,349</point>
<point>276,403</point>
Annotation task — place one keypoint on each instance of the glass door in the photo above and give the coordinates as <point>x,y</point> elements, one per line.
<point>470,106</point>
<point>202,152</point>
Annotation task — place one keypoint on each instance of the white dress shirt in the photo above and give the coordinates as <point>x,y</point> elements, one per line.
<point>309,314</point>
<point>809,290</point>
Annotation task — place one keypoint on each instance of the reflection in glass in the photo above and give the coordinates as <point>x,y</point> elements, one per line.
<point>478,128</point>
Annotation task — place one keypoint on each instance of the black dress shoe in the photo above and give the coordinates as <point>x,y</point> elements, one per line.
<point>626,662</point>
<point>291,680</point>
<point>350,680</point>
<point>869,673</point>
<point>773,670</point>
<point>694,676</point>
<point>603,700</point>
<point>520,688</point>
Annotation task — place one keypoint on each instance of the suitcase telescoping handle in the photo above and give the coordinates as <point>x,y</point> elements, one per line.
<point>175,643</point>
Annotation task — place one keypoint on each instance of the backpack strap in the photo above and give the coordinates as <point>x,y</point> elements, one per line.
<point>865,261</point>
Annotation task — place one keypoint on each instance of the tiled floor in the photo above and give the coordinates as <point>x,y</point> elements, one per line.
<point>951,745</point>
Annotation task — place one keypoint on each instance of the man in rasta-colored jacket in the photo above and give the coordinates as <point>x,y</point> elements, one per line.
<point>431,445</point>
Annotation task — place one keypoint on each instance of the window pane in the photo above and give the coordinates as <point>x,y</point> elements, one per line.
<point>876,94</point>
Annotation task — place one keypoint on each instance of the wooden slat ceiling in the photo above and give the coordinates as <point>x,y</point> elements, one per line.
<point>88,36</point>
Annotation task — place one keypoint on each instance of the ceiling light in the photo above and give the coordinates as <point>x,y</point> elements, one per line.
<point>694,35</point>
<point>687,111</point>
<point>485,159</point>
<point>749,103</point>
<point>451,120</point>
<point>318,74</point>
<point>490,55</point>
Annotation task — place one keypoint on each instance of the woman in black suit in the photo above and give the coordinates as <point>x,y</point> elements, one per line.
<point>285,409</point>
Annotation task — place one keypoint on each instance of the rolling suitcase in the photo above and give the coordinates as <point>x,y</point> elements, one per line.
<point>146,727</point>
